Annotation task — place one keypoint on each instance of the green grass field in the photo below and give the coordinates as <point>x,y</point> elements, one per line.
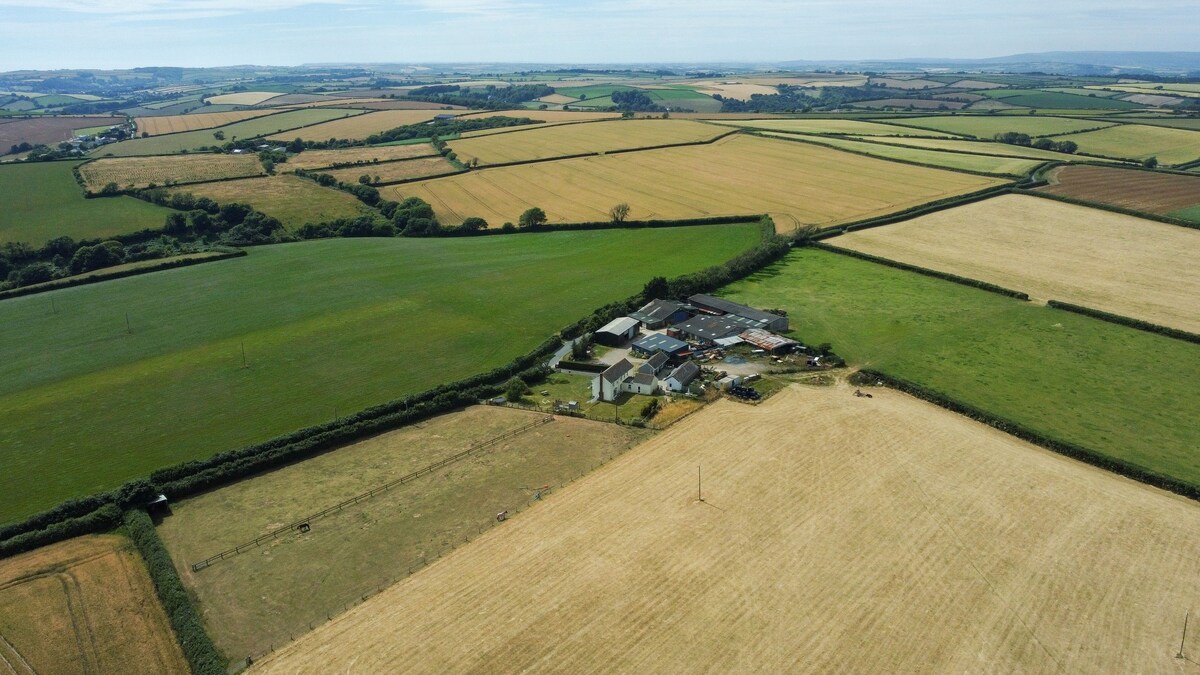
<point>1191,213</point>
<point>1004,166</point>
<point>41,201</point>
<point>1035,98</point>
<point>251,128</point>
<point>987,126</point>
<point>1117,390</point>
<point>336,324</point>
<point>1138,141</point>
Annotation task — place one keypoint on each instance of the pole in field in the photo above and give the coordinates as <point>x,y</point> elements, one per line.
<point>127,328</point>
<point>699,494</point>
<point>1184,638</point>
<point>244,364</point>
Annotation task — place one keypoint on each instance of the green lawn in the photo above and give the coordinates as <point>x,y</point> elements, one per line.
<point>1117,390</point>
<point>337,324</point>
<point>251,128</point>
<point>41,200</point>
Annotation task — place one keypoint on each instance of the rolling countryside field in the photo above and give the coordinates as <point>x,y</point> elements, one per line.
<point>252,128</point>
<point>394,172</point>
<point>987,126</point>
<point>575,139</point>
<point>1116,390</point>
<point>42,201</point>
<point>377,541</point>
<point>796,183</point>
<point>293,200</point>
<point>836,535</point>
<point>1050,250</point>
<point>48,130</point>
<point>984,147</point>
<point>173,124</point>
<point>84,605</point>
<point>1164,194</point>
<point>1002,166</point>
<point>320,159</point>
<point>1139,141</point>
<point>141,172</point>
<point>312,317</point>
<point>832,126</point>
<point>361,126</point>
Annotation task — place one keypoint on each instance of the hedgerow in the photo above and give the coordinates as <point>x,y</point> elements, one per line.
<point>966,281</point>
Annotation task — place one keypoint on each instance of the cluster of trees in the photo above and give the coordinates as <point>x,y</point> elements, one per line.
<point>635,101</point>
<point>1017,138</point>
<point>490,97</point>
<point>795,99</point>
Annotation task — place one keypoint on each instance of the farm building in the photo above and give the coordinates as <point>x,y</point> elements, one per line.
<point>617,332</point>
<point>642,383</point>
<point>775,344</point>
<point>681,377</point>
<point>706,330</point>
<point>607,385</point>
<point>661,313</point>
<point>654,363</point>
<point>657,342</point>
<point>753,318</point>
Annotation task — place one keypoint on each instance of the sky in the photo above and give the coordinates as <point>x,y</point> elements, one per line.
<point>46,34</point>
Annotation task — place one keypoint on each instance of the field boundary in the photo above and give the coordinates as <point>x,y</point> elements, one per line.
<point>1119,319</point>
<point>70,282</point>
<point>917,211</point>
<point>407,478</point>
<point>986,116</point>
<point>194,151</point>
<point>945,276</point>
<point>1028,190</point>
<point>1071,450</point>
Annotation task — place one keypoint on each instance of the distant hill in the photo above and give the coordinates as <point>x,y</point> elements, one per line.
<point>1062,63</point>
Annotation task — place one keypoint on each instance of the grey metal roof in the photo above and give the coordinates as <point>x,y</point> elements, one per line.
<point>659,342</point>
<point>685,373</point>
<point>617,370</point>
<point>710,327</point>
<point>658,360</point>
<point>619,326</point>
<point>656,310</point>
<point>730,307</point>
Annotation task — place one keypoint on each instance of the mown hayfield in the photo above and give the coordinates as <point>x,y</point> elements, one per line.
<point>987,126</point>
<point>293,200</point>
<point>328,326</point>
<point>41,201</point>
<point>362,126</point>
<point>833,126</point>
<point>985,147</point>
<point>320,159</point>
<point>140,172</point>
<point>393,172</point>
<point>243,97</point>
<point>85,605</point>
<point>251,128</point>
<point>1002,166</point>
<point>1051,250</point>
<point>797,183</point>
<point>377,541</point>
<point>1140,141</point>
<point>1160,193</point>
<point>828,523</point>
<point>172,124</point>
<point>574,139</point>
<point>1117,390</point>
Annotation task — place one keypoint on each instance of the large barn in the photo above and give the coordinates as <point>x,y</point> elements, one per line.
<point>617,332</point>
<point>752,318</point>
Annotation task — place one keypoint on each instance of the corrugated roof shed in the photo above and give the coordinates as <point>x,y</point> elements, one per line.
<point>730,307</point>
<point>766,339</point>
<point>656,311</point>
<point>710,327</point>
<point>619,326</point>
<point>658,342</point>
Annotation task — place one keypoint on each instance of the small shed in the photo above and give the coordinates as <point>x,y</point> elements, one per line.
<point>617,332</point>
<point>642,383</point>
<point>654,363</point>
<point>681,377</point>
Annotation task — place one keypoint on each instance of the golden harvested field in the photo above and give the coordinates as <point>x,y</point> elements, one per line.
<point>1051,250</point>
<point>294,201</point>
<point>736,89</point>
<point>316,159</point>
<point>340,102</point>
<point>837,534</point>
<point>243,97</point>
<point>1139,141</point>
<point>170,124</point>
<point>360,126</point>
<point>558,99</point>
<point>373,543</point>
<point>573,139</point>
<point>985,147</point>
<point>818,126</point>
<point>393,172</point>
<point>140,172</point>
<point>797,183</point>
<point>912,83</point>
<point>548,115</point>
<point>85,605</point>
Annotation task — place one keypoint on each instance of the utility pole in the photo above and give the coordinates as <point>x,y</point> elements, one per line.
<point>1184,638</point>
<point>699,494</point>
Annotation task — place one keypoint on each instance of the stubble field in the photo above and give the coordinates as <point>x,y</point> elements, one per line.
<point>575,139</point>
<point>394,172</point>
<point>796,183</point>
<point>836,534</point>
<point>251,128</point>
<point>85,605</point>
<point>293,200</point>
<point>170,124</point>
<point>140,172</point>
<point>1051,250</point>
<point>320,159</point>
<point>361,126</point>
<point>999,166</point>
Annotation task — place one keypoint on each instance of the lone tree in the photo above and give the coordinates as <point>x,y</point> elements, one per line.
<point>514,389</point>
<point>619,212</point>
<point>1150,162</point>
<point>532,218</point>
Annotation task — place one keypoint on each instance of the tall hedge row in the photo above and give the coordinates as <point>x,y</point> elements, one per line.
<point>102,518</point>
<point>1072,450</point>
<point>1126,321</point>
<point>974,283</point>
<point>198,649</point>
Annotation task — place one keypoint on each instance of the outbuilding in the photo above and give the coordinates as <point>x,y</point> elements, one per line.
<point>681,377</point>
<point>617,332</point>
<point>654,363</point>
<point>754,318</point>
<point>661,313</point>
<point>706,330</point>
<point>654,343</point>
<point>775,344</point>
<point>642,383</point>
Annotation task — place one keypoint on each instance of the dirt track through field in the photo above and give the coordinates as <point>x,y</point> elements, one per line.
<point>1131,266</point>
<point>837,534</point>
